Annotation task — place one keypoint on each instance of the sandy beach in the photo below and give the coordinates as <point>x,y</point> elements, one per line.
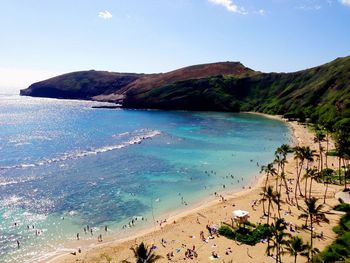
<point>182,230</point>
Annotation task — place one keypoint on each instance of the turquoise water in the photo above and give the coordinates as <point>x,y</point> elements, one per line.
<point>64,165</point>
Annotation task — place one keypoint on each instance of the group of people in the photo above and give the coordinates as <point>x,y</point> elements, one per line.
<point>132,222</point>
<point>32,227</point>
<point>90,229</point>
<point>191,253</point>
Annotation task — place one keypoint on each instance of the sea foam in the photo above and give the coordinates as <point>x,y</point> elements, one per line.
<point>137,137</point>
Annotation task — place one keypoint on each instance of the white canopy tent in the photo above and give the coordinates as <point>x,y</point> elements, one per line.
<point>239,213</point>
<point>240,216</point>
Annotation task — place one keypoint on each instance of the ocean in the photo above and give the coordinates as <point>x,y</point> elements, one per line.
<point>65,166</point>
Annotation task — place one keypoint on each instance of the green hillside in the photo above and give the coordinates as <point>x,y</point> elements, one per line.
<point>321,93</point>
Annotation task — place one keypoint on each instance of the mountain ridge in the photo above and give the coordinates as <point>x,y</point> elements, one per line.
<point>321,93</point>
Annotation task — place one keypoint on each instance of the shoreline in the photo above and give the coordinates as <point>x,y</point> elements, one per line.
<point>183,227</point>
<point>256,184</point>
<point>177,215</point>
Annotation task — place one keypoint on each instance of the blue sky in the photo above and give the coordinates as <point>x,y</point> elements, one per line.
<point>41,38</point>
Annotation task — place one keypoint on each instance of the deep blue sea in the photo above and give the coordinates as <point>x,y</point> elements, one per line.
<point>65,165</point>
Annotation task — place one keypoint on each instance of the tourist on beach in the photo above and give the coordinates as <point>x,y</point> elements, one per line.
<point>77,236</point>
<point>209,229</point>
<point>18,244</point>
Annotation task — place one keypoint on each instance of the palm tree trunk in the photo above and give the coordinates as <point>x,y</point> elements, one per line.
<point>298,180</point>
<point>325,193</point>
<point>326,155</point>
<point>345,173</point>
<point>286,186</point>
<point>279,208</point>
<point>264,211</point>
<point>306,188</point>
<point>268,211</point>
<point>295,258</point>
<point>310,188</point>
<point>312,232</point>
<point>321,157</point>
<point>267,179</point>
<point>339,165</point>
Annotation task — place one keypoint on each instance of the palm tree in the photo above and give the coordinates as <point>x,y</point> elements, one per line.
<point>342,145</point>
<point>319,138</point>
<point>278,160</point>
<point>278,238</point>
<point>268,170</point>
<point>144,255</point>
<point>262,200</point>
<point>326,175</point>
<point>314,213</point>
<point>283,151</point>
<point>272,197</point>
<point>296,246</point>
<point>309,155</point>
<point>328,127</point>
<point>305,177</point>
<point>299,157</point>
<point>313,174</point>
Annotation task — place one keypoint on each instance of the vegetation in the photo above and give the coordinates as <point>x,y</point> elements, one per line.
<point>338,251</point>
<point>310,169</point>
<point>249,235</point>
<point>143,254</point>
<point>295,246</point>
<point>314,213</point>
<point>320,94</point>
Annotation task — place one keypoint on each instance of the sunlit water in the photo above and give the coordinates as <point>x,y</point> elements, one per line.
<point>64,165</point>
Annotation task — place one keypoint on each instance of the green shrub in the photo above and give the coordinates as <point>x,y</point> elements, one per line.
<point>227,231</point>
<point>339,249</point>
<point>246,235</point>
<point>342,207</point>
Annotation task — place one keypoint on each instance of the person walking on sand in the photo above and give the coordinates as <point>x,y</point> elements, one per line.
<point>18,244</point>
<point>77,236</point>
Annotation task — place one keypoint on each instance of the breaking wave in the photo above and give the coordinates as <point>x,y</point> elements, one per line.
<point>137,137</point>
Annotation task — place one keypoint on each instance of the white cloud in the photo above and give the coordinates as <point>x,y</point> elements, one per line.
<point>345,2</point>
<point>230,6</point>
<point>105,15</point>
<point>262,12</point>
<point>310,7</point>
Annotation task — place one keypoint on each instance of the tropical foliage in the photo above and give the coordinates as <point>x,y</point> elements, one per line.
<point>143,254</point>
